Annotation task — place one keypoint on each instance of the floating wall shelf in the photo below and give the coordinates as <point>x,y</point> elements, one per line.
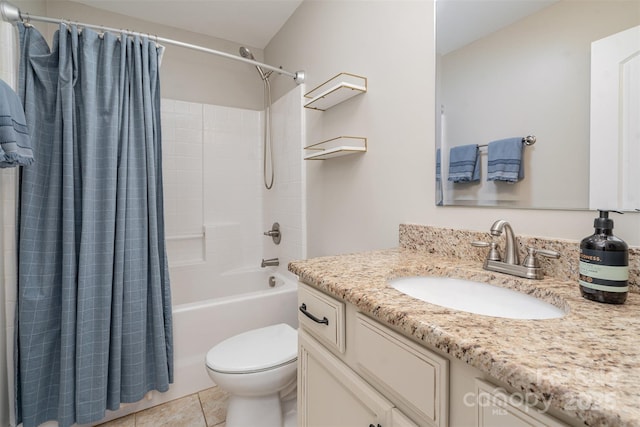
<point>336,90</point>
<point>336,147</point>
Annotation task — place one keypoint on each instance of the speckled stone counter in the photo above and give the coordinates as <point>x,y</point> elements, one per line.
<point>586,364</point>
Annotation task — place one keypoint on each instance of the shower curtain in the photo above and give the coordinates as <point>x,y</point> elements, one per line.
<point>94,308</point>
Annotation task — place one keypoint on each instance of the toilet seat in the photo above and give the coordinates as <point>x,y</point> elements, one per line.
<point>255,351</point>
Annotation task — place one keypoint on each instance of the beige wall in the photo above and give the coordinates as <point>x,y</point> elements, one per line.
<point>356,203</point>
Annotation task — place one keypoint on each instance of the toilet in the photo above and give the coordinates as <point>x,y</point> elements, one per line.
<point>258,370</point>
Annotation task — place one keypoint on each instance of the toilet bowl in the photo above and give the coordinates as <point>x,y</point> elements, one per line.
<point>254,367</point>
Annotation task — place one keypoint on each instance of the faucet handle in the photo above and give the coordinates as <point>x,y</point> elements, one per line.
<point>532,261</point>
<point>494,252</point>
<point>274,233</point>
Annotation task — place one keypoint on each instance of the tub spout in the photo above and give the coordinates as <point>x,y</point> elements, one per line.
<point>269,262</point>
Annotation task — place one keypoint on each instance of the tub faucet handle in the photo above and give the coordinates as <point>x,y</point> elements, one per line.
<point>274,233</point>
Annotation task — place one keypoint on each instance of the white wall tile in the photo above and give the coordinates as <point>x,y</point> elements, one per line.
<point>183,179</point>
<point>225,156</point>
<point>285,201</point>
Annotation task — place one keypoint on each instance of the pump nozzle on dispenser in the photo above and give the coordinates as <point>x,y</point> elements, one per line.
<point>603,220</point>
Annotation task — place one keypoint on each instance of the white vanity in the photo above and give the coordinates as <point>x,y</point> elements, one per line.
<point>355,371</point>
<point>372,355</point>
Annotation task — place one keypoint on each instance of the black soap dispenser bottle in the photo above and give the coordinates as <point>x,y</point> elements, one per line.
<point>604,264</point>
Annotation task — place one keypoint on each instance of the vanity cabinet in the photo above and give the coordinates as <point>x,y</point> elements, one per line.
<point>499,409</point>
<point>355,371</point>
<point>410,375</point>
<point>330,394</point>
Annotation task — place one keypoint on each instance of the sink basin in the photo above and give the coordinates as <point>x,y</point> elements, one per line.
<point>476,297</point>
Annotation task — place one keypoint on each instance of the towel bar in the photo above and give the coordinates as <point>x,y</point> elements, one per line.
<point>527,140</point>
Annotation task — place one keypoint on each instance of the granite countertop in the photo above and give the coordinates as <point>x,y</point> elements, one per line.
<point>586,364</point>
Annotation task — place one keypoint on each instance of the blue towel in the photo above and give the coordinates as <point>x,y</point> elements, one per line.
<point>504,160</point>
<point>464,163</point>
<point>15,143</point>
<point>438,166</point>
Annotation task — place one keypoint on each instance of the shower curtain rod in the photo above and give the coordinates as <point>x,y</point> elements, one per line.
<point>12,14</point>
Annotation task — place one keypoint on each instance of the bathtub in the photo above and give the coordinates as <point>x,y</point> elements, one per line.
<point>201,325</point>
<point>198,326</point>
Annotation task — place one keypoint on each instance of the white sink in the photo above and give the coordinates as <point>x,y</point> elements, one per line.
<point>476,297</point>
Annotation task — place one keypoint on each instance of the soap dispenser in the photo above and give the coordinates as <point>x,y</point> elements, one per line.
<point>604,264</point>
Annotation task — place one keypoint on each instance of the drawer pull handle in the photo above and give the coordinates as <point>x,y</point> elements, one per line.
<point>303,309</point>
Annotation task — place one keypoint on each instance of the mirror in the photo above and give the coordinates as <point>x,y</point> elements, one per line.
<point>515,68</point>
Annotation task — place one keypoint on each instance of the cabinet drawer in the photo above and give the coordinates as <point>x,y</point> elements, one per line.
<point>322,316</point>
<point>411,375</point>
<point>497,408</point>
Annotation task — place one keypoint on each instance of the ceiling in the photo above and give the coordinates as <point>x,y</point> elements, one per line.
<point>248,22</point>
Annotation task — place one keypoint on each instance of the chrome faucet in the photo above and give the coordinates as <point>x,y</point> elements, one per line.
<point>272,262</point>
<point>511,244</point>
<point>529,269</point>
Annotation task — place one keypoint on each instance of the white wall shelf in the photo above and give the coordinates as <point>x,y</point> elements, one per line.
<point>336,147</point>
<point>335,90</point>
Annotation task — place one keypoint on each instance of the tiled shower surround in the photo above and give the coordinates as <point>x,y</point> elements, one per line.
<point>216,205</point>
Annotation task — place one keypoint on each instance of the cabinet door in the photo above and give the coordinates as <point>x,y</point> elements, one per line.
<point>398,419</point>
<point>410,375</point>
<point>496,408</point>
<point>331,395</point>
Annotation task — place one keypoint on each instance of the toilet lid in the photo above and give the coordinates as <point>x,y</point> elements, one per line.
<point>255,350</point>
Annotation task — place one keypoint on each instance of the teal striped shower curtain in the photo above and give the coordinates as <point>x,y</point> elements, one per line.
<point>94,307</point>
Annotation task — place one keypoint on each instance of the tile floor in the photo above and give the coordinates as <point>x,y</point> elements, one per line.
<point>207,408</point>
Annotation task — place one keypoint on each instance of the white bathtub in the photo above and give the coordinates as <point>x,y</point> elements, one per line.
<point>198,326</point>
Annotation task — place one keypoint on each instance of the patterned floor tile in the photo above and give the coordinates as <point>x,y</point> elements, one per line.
<point>184,412</point>
<point>128,421</point>
<point>214,405</point>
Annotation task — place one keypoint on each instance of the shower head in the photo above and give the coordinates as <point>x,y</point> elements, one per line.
<point>246,53</point>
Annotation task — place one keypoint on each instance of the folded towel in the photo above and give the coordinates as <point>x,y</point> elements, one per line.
<point>464,163</point>
<point>504,160</point>
<point>15,143</point>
